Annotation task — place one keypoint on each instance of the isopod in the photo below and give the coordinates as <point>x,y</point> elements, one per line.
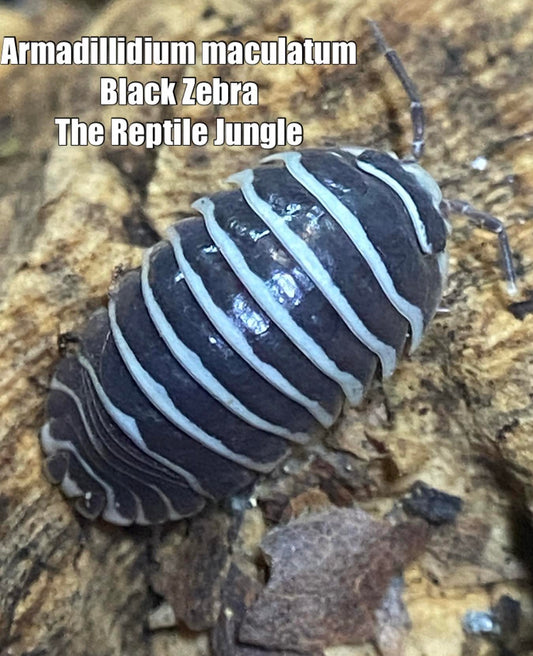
<point>250,325</point>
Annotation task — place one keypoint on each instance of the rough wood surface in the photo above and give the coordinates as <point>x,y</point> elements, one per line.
<point>457,415</point>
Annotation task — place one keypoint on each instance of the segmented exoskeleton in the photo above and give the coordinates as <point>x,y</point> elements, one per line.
<point>249,326</point>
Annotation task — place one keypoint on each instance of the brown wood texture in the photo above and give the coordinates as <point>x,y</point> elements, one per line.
<point>458,414</point>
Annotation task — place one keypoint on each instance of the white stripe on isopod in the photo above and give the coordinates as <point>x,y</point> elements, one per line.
<point>405,197</point>
<point>352,387</point>
<point>194,366</point>
<point>310,263</point>
<point>353,228</point>
<point>237,341</point>
<point>129,427</point>
<point>50,445</point>
<point>140,518</point>
<point>158,396</point>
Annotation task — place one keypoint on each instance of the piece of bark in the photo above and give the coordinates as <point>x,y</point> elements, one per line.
<point>239,592</point>
<point>434,506</point>
<point>329,572</point>
<point>191,578</point>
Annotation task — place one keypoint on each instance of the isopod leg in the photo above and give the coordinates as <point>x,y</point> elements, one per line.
<point>417,111</point>
<point>492,224</point>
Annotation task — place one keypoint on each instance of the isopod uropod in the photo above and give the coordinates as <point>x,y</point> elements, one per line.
<point>247,328</point>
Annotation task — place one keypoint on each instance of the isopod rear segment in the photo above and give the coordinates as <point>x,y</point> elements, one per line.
<point>248,327</point>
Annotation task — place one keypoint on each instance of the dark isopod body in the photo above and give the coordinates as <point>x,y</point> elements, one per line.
<point>249,326</point>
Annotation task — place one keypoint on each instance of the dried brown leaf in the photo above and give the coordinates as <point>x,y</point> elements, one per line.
<point>329,573</point>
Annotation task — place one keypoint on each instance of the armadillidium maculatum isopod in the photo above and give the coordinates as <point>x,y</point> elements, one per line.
<point>249,326</point>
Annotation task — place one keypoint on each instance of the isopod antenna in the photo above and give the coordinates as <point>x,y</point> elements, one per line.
<point>417,111</point>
